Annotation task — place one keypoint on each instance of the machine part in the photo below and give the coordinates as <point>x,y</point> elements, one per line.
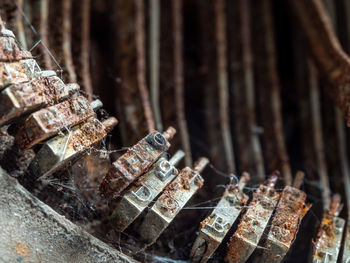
<point>10,51</point>
<point>290,211</point>
<point>24,98</point>
<point>144,190</point>
<point>31,231</point>
<point>171,201</point>
<point>62,150</point>
<point>253,223</point>
<point>329,236</point>
<point>135,162</point>
<point>214,228</point>
<point>346,251</point>
<point>17,72</point>
<point>47,122</point>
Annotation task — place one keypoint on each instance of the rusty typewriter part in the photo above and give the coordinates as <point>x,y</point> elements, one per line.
<point>18,72</point>
<point>144,190</point>
<point>289,212</point>
<point>214,228</point>
<point>329,236</point>
<point>346,249</point>
<point>172,200</point>
<point>62,150</point>
<point>47,122</point>
<point>135,162</point>
<point>10,50</point>
<point>253,223</point>
<point>24,98</point>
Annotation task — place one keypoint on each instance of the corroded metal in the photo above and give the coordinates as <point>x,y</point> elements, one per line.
<point>135,162</point>
<point>346,249</point>
<point>63,149</point>
<point>9,49</point>
<point>253,223</point>
<point>329,236</point>
<point>17,72</point>
<point>24,98</point>
<point>171,201</point>
<point>47,122</point>
<point>144,190</point>
<point>290,211</point>
<point>214,228</point>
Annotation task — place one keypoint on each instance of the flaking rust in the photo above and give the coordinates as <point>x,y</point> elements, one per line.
<point>18,72</point>
<point>47,122</point>
<point>329,236</point>
<point>171,201</point>
<point>290,211</point>
<point>10,51</point>
<point>135,162</point>
<point>24,98</point>
<point>144,190</point>
<point>253,223</point>
<point>62,150</point>
<point>215,227</point>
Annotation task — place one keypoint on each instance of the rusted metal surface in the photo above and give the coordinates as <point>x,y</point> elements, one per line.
<point>62,150</point>
<point>144,190</point>
<point>253,223</point>
<point>329,236</point>
<point>346,251</point>
<point>47,122</point>
<point>24,98</point>
<point>215,227</point>
<point>135,162</point>
<point>17,72</point>
<point>326,50</point>
<point>171,201</point>
<point>290,211</point>
<point>10,51</point>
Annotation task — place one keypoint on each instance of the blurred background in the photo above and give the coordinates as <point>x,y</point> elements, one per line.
<point>236,79</point>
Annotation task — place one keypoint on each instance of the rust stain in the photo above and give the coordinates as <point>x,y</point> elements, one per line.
<point>22,249</point>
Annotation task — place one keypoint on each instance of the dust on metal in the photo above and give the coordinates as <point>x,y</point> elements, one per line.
<point>171,201</point>
<point>47,122</point>
<point>64,149</point>
<point>214,228</point>
<point>144,190</point>
<point>135,162</point>
<point>25,98</point>
<point>290,211</point>
<point>253,223</point>
<point>329,236</point>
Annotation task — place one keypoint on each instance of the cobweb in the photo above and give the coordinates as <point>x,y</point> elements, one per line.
<point>73,192</point>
